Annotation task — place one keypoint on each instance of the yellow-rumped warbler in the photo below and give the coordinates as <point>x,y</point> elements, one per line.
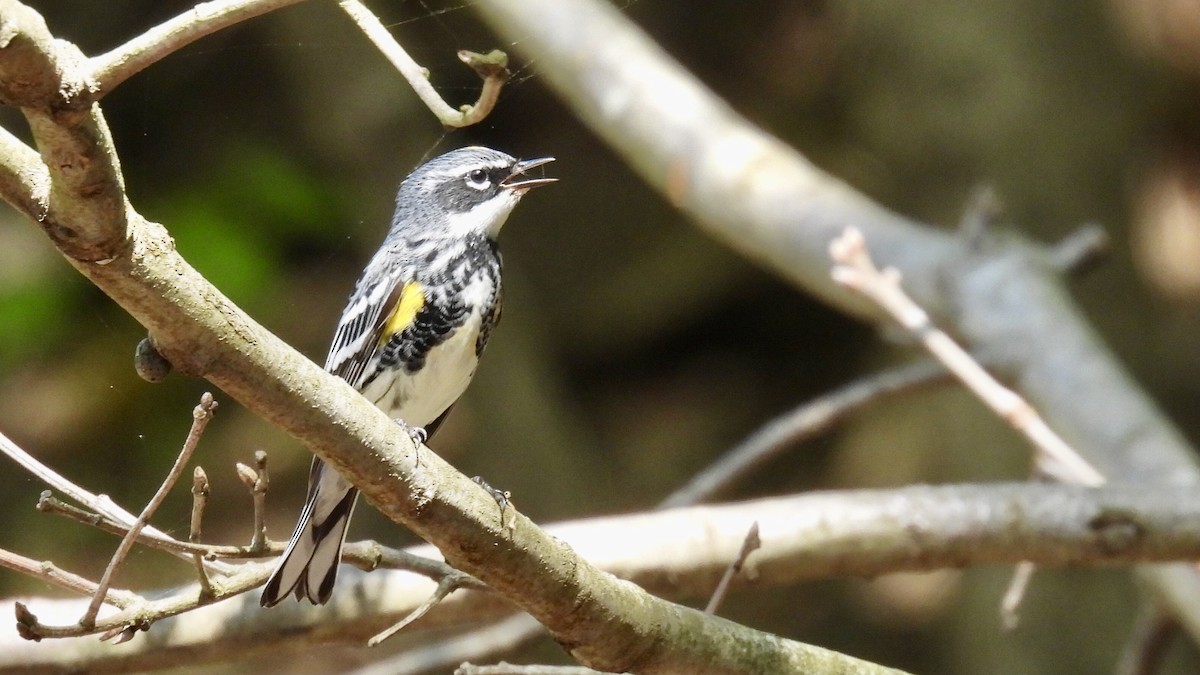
<point>412,332</point>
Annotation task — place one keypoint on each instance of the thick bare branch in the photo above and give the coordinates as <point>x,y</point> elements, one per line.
<point>683,553</point>
<point>35,71</point>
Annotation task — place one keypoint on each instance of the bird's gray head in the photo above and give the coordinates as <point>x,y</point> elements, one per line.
<point>465,192</point>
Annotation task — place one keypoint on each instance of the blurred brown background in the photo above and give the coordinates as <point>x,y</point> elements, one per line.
<point>633,349</point>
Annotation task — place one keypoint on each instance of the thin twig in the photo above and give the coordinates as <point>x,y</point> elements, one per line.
<point>807,420</point>
<point>1080,250</point>
<point>142,614</point>
<point>200,493</point>
<point>201,414</point>
<point>492,67</point>
<point>366,555</point>
<point>1153,632</point>
<point>106,512</point>
<point>855,270</point>
<point>256,481</point>
<point>1014,595</point>
<point>110,69</point>
<point>258,541</point>
<point>500,637</point>
<point>445,586</point>
<point>751,544</point>
<point>369,555</point>
<point>48,504</point>
<point>53,574</point>
<point>99,503</point>
<point>982,209</point>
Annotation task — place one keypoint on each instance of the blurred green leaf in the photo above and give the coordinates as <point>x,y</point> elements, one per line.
<point>238,227</point>
<point>32,317</point>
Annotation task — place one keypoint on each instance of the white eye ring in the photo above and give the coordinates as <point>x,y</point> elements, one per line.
<point>478,179</point>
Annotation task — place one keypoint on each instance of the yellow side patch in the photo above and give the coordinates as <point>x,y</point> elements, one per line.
<point>412,299</point>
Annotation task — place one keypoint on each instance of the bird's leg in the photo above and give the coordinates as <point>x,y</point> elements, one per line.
<point>502,497</point>
<point>417,434</point>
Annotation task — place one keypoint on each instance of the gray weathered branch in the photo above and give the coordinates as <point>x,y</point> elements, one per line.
<point>682,553</point>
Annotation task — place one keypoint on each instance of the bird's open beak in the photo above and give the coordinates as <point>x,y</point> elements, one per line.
<point>512,182</point>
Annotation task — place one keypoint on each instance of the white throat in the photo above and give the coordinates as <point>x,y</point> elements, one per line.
<point>486,218</point>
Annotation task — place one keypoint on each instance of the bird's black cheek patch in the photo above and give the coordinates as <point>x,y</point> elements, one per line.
<point>458,197</point>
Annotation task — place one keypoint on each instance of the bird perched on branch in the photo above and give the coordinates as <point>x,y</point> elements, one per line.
<point>412,332</point>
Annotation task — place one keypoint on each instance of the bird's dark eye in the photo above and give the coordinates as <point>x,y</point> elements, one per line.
<point>478,179</point>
